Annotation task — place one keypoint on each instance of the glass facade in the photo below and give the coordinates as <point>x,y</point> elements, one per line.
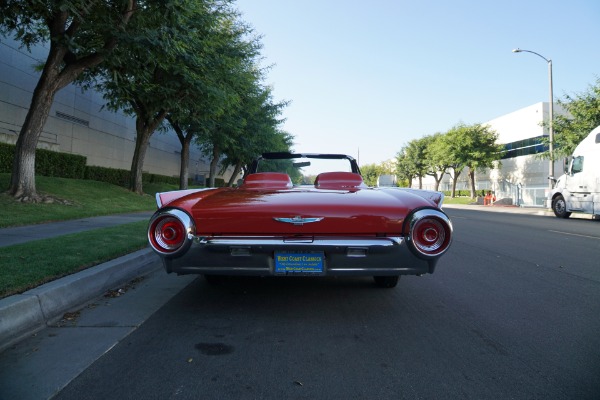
<point>524,147</point>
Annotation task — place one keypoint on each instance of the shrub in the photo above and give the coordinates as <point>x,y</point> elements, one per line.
<point>154,178</point>
<point>459,193</point>
<point>219,182</point>
<point>47,162</point>
<point>7,153</point>
<point>72,166</point>
<point>119,177</point>
<point>60,165</point>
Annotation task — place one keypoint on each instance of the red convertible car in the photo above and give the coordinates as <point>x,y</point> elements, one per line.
<point>301,214</point>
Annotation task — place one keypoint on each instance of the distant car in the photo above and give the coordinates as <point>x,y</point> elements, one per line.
<point>301,214</point>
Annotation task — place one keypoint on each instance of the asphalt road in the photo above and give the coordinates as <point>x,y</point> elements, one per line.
<point>510,313</point>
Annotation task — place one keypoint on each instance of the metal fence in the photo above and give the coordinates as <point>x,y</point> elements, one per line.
<point>533,196</point>
<point>513,193</point>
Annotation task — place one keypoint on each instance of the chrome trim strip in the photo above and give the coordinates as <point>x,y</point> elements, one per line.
<point>308,242</point>
<point>298,220</point>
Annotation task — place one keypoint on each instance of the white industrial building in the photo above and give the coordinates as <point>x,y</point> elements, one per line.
<point>522,178</point>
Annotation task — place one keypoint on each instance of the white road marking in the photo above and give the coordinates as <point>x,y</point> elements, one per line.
<point>575,234</point>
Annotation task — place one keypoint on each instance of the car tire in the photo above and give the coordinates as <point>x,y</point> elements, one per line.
<point>559,206</point>
<point>386,281</point>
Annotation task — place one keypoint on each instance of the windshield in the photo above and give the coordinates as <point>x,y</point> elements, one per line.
<point>304,169</point>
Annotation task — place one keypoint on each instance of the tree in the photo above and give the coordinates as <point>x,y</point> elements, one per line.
<point>436,159</point>
<point>81,35</point>
<point>483,151</point>
<point>271,140</point>
<point>178,60</point>
<point>370,173</point>
<point>259,133</point>
<point>186,130</point>
<point>411,161</point>
<point>583,115</point>
<point>203,108</point>
<point>453,145</point>
<point>404,171</point>
<point>238,78</point>
<point>388,167</point>
<point>473,146</point>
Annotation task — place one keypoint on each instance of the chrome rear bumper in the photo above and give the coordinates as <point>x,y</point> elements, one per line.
<point>349,256</point>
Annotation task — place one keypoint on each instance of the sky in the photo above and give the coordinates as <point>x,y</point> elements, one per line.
<point>366,77</point>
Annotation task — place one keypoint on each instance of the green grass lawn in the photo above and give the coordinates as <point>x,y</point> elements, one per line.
<point>28,265</point>
<point>25,266</point>
<point>458,200</point>
<point>86,199</point>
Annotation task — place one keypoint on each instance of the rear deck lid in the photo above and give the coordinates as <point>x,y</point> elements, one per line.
<point>302,211</point>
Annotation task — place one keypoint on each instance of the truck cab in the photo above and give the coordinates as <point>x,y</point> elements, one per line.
<point>578,190</point>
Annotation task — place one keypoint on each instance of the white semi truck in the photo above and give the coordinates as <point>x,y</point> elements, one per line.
<point>578,190</point>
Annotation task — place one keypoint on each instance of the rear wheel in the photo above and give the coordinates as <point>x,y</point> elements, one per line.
<point>559,206</point>
<point>386,281</point>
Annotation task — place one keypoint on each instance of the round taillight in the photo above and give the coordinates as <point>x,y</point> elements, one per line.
<point>169,233</point>
<point>170,230</point>
<point>430,232</point>
<point>429,235</point>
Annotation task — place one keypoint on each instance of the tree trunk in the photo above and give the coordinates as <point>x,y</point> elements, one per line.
<point>454,182</point>
<point>438,181</point>
<point>145,125</point>
<point>137,163</point>
<point>22,181</point>
<point>185,162</point>
<point>185,142</point>
<point>213,166</point>
<point>236,172</point>
<point>420,182</point>
<point>472,182</point>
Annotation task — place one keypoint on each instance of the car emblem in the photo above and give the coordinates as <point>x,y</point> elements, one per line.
<point>298,220</point>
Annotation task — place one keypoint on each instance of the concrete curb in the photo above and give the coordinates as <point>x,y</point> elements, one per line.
<point>24,314</point>
<point>541,211</point>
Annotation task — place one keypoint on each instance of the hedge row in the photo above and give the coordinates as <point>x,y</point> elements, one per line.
<point>7,154</point>
<point>119,177</point>
<point>47,163</point>
<point>62,165</point>
<point>459,193</point>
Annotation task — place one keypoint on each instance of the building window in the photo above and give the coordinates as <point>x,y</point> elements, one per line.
<point>524,147</point>
<point>72,119</point>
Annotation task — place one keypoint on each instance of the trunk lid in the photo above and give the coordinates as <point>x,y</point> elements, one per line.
<point>302,211</point>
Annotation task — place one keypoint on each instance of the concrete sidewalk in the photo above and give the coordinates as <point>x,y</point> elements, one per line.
<point>515,210</point>
<point>24,314</point>
<point>23,234</point>
<point>502,208</point>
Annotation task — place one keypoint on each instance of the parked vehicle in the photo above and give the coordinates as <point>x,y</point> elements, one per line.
<point>282,221</point>
<point>578,190</point>
<point>386,181</point>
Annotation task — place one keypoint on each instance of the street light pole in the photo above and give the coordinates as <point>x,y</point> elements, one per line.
<point>550,112</point>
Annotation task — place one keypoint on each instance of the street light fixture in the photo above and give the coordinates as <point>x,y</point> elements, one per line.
<point>550,112</point>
